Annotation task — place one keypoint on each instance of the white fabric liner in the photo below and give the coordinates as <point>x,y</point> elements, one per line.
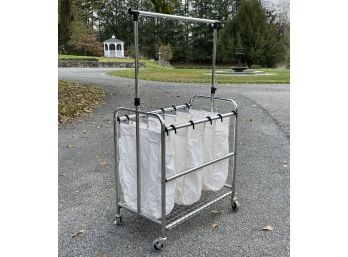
<point>215,145</point>
<point>188,154</point>
<point>184,150</point>
<point>150,159</point>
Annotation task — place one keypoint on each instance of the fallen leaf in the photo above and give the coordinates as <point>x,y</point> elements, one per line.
<point>268,228</point>
<point>214,211</point>
<point>84,131</point>
<point>103,163</point>
<point>214,225</point>
<point>82,231</point>
<point>71,146</point>
<point>285,162</point>
<point>285,166</point>
<point>63,119</point>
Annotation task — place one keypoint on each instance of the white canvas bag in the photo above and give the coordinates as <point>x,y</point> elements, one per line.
<point>152,181</point>
<point>188,154</point>
<point>216,144</point>
<point>150,161</point>
<point>127,164</point>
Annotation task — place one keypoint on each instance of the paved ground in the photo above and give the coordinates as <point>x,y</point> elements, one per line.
<point>86,183</point>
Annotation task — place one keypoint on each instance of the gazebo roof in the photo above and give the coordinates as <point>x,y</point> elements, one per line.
<point>113,40</point>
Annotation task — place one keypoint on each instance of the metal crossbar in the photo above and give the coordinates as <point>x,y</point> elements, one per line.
<point>199,167</point>
<point>173,17</point>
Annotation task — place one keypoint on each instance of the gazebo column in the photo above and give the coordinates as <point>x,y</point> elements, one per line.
<point>122,50</point>
<point>108,50</point>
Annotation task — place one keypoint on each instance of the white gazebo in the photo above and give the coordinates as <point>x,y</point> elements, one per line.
<point>113,47</point>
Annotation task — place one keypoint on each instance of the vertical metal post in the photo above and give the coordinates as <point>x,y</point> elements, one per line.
<point>213,88</point>
<point>118,211</point>
<point>163,179</point>
<point>137,103</point>
<point>234,149</point>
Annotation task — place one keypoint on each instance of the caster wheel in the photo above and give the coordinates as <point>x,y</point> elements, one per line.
<point>235,204</point>
<point>159,244</point>
<point>118,221</point>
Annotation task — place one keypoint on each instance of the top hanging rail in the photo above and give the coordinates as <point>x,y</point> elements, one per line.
<point>174,17</point>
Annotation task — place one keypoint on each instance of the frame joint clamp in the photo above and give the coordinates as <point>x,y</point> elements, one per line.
<point>136,101</point>
<point>213,89</point>
<point>134,13</point>
<point>216,25</point>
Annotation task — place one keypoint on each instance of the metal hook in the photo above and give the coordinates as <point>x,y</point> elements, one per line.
<point>188,106</point>
<point>192,123</point>
<point>211,121</point>
<point>163,111</point>
<point>220,116</point>
<point>174,128</point>
<point>174,107</point>
<point>166,130</point>
<point>127,116</point>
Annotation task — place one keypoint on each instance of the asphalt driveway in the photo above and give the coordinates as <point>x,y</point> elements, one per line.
<point>86,181</point>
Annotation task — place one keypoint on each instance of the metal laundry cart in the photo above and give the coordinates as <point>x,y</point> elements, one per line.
<point>179,213</point>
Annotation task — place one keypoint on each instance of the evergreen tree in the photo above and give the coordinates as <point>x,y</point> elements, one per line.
<point>258,37</point>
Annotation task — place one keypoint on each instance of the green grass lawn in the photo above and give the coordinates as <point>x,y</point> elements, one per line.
<point>154,72</point>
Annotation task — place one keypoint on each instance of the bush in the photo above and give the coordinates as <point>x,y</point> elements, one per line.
<point>84,41</point>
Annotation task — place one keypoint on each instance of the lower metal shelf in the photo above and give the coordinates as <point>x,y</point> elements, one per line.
<point>180,213</point>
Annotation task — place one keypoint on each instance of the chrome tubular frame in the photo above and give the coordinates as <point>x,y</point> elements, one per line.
<point>136,114</point>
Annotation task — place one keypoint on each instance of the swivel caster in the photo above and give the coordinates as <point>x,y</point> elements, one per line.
<point>235,204</point>
<point>159,243</point>
<point>118,221</point>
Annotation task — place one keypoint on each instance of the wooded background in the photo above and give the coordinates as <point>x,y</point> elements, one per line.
<point>260,28</point>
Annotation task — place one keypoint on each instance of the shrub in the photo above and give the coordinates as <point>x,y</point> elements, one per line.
<point>84,41</point>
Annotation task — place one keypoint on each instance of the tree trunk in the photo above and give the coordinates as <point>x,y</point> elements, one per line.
<point>66,17</point>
